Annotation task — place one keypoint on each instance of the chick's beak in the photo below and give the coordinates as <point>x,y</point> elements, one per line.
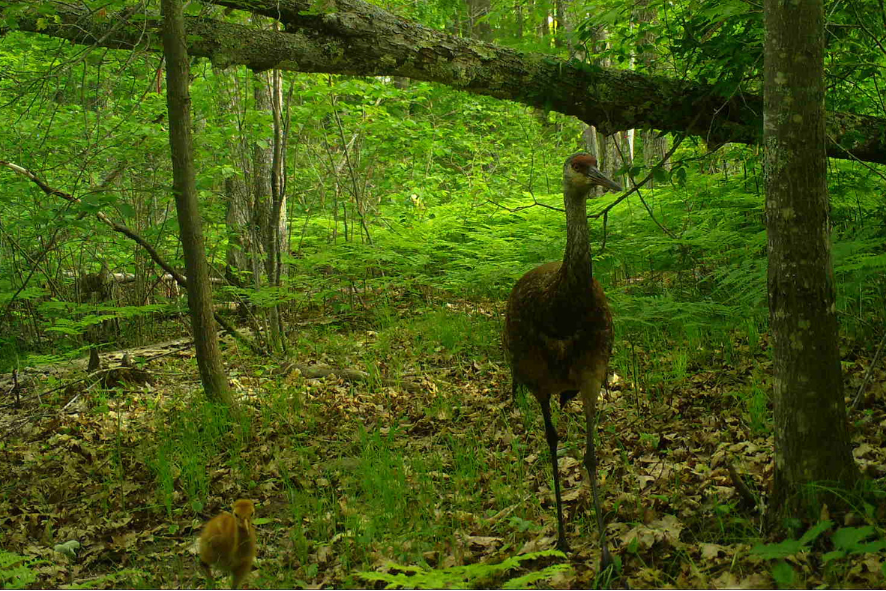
<point>601,179</point>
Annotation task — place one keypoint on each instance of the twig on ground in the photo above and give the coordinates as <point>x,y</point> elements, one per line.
<point>743,491</point>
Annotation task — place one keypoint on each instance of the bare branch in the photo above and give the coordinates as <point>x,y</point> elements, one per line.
<point>155,256</point>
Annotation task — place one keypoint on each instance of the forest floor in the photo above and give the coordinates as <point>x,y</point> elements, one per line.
<point>441,472</point>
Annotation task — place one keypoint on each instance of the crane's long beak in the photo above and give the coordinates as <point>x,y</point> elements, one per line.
<point>601,179</point>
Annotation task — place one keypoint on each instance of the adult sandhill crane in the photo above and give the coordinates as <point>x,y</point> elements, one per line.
<point>558,329</point>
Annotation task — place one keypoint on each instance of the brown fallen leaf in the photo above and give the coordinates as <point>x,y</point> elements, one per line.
<point>487,542</point>
<point>324,553</point>
<point>711,551</point>
<point>538,544</point>
<point>667,530</point>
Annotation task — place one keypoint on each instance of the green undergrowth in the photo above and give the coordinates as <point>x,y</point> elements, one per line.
<point>17,572</point>
<point>698,266</point>
<point>368,474</point>
<point>708,276</point>
<point>428,464</point>
<point>425,462</point>
<point>189,437</point>
<point>470,576</point>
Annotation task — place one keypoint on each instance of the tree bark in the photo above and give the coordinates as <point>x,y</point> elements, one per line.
<point>262,157</point>
<point>811,437</point>
<point>178,99</point>
<point>237,261</point>
<point>276,229</point>
<point>357,38</point>
<point>655,146</point>
<point>562,24</point>
<point>239,255</point>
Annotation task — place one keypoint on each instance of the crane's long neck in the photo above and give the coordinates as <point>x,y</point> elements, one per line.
<point>576,272</point>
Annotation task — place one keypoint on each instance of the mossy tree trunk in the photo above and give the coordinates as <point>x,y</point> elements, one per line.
<point>811,437</point>
<point>178,100</point>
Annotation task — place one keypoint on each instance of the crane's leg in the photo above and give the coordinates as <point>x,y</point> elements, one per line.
<point>551,436</point>
<point>206,570</point>
<point>590,391</point>
<point>240,573</point>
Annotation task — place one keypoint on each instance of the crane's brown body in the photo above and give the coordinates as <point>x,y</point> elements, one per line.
<point>553,336</point>
<point>558,328</point>
<point>228,542</point>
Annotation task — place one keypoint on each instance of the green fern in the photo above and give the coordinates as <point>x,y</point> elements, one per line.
<point>470,576</point>
<point>128,577</point>
<point>16,571</point>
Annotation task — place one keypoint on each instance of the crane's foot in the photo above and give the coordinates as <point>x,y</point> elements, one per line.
<point>563,545</point>
<point>605,559</point>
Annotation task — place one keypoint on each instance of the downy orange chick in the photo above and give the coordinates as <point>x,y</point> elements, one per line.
<point>228,542</point>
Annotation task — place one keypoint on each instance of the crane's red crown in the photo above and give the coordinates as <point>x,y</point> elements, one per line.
<point>582,162</point>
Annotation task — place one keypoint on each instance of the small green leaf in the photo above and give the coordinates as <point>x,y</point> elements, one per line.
<point>850,538</point>
<point>126,210</point>
<point>835,555</point>
<point>816,530</point>
<point>784,575</point>
<point>779,550</point>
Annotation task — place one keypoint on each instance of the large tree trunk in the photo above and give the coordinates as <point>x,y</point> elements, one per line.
<point>811,438</point>
<point>357,38</point>
<point>178,99</point>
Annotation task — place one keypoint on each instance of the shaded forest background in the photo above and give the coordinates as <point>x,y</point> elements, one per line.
<point>411,209</point>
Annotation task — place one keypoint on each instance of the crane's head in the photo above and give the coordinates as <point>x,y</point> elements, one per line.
<point>243,512</point>
<point>581,173</point>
